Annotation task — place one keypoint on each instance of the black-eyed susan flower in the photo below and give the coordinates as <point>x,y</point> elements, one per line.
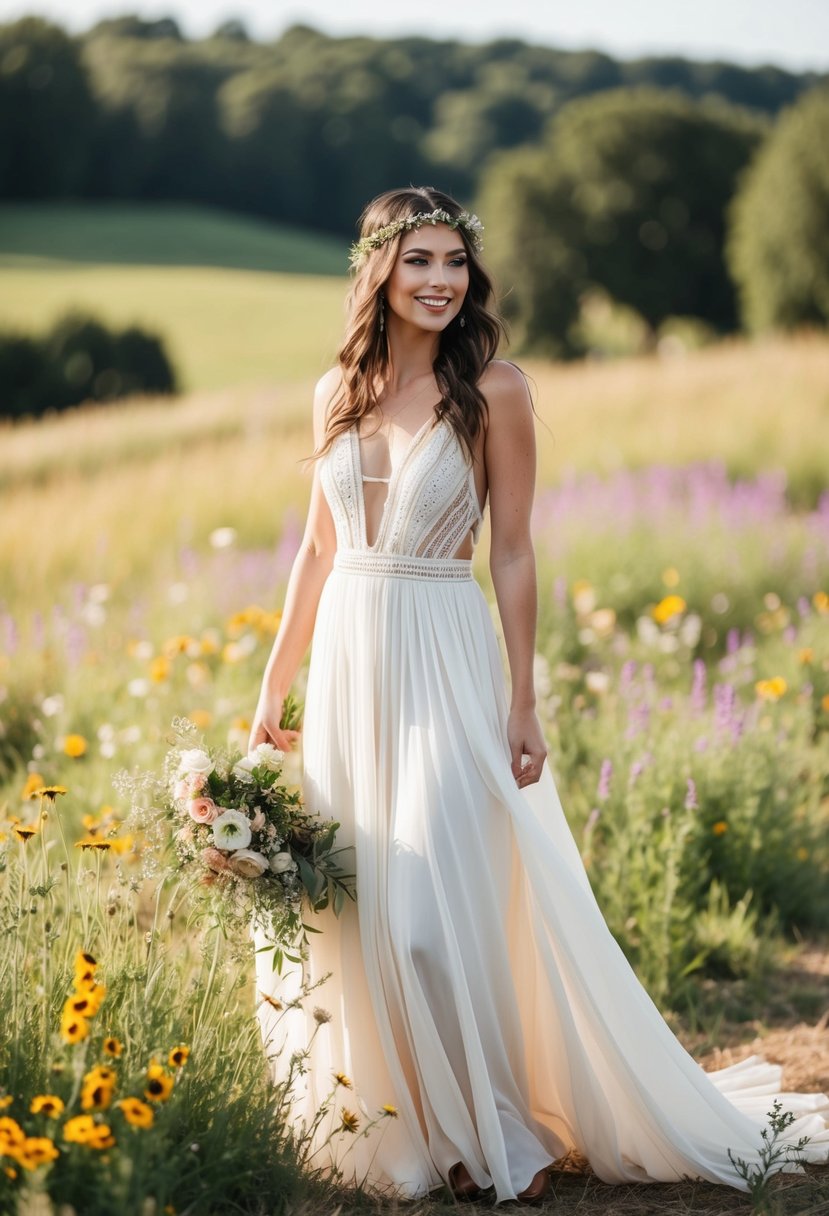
<point>101,1074</point>
<point>101,1137</point>
<point>36,1151</point>
<point>48,791</point>
<point>24,832</point>
<point>46,1104</point>
<point>11,1134</point>
<point>136,1112</point>
<point>85,965</point>
<point>159,1083</point>
<point>73,1028</point>
<point>96,1095</point>
<point>343,1080</point>
<point>112,1047</point>
<point>390,1110</point>
<point>349,1120</point>
<point>178,1055</point>
<point>78,1129</point>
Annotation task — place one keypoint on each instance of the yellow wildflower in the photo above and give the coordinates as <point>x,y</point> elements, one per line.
<point>101,1137</point>
<point>178,1056</point>
<point>136,1112</point>
<point>11,1134</point>
<point>47,1104</point>
<point>670,576</point>
<point>159,1084</point>
<point>821,601</point>
<point>24,832</point>
<point>85,967</point>
<point>49,791</point>
<point>112,1047</point>
<point>350,1121</point>
<point>34,783</point>
<point>342,1079</point>
<point>74,746</point>
<point>73,1028</point>
<point>79,1129</point>
<point>771,690</point>
<point>159,669</point>
<point>390,1110</point>
<point>96,1096</point>
<point>720,827</point>
<point>805,654</point>
<point>35,1151</point>
<point>6,1101</point>
<point>670,606</point>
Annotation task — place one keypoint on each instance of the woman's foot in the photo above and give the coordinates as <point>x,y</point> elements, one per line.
<point>537,1190</point>
<point>461,1184</point>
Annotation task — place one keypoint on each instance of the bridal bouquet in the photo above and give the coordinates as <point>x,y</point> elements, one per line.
<point>239,838</point>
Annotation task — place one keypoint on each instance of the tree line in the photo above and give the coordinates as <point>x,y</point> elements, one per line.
<point>679,189</point>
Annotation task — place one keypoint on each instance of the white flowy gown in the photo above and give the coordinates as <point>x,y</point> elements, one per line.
<point>475,985</point>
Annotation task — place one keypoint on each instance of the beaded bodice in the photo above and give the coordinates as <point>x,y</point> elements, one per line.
<point>431,502</point>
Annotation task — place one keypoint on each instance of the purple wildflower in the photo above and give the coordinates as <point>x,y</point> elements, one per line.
<point>698,696</point>
<point>603,789</point>
<point>691,802</point>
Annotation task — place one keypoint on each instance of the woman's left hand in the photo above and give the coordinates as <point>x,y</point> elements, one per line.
<point>527,746</point>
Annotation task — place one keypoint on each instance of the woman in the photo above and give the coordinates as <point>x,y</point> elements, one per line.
<point>475,991</point>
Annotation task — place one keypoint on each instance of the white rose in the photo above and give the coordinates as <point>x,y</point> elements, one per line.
<point>280,862</point>
<point>248,863</point>
<point>242,768</point>
<point>196,761</point>
<point>231,830</point>
<point>267,756</point>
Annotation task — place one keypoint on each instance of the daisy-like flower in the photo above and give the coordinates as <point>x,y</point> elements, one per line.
<point>96,1096</point>
<point>349,1120</point>
<point>78,1129</point>
<point>33,787</point>
<point>343,1080</point>
<point>178,1055</point>
<point>390,1110</point>
<point>6,1101</point>
<point>159,1084</point>
<point>73,1028</point>
<point>11,1134</point>
<point>36,1151</point>
<point>101,1137</point>
<point>46,1104</point>
<point>112,1047</point>
<point>48,791</point>
<point>136,1112</point>
<point>24,832</point>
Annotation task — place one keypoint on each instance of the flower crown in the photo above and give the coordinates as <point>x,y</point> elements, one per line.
<point>470,224</point>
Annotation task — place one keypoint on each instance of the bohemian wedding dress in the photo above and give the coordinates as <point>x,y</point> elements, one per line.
<point>474,986</point>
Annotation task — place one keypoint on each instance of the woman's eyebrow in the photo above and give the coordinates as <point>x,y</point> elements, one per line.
<point>450,254</point>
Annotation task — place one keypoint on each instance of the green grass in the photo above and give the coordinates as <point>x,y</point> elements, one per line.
<point>237,301</point>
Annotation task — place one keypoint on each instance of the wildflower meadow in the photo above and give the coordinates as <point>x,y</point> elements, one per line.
<point>682,670</point>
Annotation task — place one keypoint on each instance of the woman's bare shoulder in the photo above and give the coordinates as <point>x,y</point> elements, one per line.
<point>505,387</point>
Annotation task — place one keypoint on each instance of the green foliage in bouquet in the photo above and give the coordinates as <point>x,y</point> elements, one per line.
<point>238,839</point>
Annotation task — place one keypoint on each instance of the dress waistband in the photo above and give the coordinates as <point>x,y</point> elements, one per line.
<point>401,565</point>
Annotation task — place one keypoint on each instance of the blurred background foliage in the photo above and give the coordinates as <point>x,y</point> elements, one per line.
<point>681,191</point>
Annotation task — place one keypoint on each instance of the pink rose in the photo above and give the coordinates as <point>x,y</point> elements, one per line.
<point>258,820</point>
<point>197,782</point>
<point>203,810</point>
<point>214,859</point>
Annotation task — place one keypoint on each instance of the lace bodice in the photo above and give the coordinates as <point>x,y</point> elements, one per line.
<point>431,502</point>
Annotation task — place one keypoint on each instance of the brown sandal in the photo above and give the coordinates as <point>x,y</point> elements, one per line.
<point>537,1191</point>
<point>460,1186</point>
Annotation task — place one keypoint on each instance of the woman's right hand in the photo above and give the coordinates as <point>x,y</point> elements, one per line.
<point>266,728</point>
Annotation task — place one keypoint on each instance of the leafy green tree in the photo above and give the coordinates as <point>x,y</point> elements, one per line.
<point>627,193</point>
<point>778,245</point>
<point>46,112</point>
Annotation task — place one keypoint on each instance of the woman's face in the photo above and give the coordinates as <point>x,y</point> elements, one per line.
<point>430,278</point>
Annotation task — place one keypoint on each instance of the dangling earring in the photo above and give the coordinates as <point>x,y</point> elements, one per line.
<point>462,322</point>
<point>382,312</point>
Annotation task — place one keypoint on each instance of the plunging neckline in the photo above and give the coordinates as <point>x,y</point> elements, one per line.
<point>394,474</point>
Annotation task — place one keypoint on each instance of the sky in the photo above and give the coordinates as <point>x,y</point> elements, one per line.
<point>792,34</point>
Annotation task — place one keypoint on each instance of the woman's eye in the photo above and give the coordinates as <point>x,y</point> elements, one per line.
<point>417,261</point>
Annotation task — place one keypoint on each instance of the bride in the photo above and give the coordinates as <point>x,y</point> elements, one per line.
<point>475,1003</point>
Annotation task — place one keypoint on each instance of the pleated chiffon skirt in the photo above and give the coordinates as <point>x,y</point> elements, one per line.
<point>475,986</point>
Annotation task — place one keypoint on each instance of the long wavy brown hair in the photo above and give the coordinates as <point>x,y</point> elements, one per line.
<point>464,351</point>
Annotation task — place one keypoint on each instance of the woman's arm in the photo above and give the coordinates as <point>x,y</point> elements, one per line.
<point>509,453</point>
<point>311,568</point>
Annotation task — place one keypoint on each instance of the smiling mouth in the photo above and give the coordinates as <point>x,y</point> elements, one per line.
<point>433,303</point>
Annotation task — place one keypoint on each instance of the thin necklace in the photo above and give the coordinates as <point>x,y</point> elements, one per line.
<point>405,406</point>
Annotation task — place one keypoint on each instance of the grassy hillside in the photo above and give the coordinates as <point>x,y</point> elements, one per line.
<point>237,300</point>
